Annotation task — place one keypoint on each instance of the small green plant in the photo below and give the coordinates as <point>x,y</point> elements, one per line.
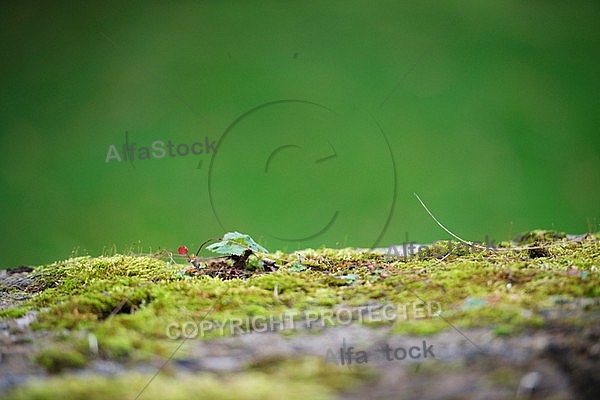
<point>235,246</point>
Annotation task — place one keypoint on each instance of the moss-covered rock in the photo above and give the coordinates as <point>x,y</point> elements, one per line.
<point>133,305</point>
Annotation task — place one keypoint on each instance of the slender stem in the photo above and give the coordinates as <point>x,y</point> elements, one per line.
<point>203,243</point>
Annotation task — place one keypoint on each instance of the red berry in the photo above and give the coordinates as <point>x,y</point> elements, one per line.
<point>182,250</point>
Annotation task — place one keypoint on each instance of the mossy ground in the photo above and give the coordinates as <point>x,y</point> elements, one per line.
<point>126,304</point>
<point>294,378</point>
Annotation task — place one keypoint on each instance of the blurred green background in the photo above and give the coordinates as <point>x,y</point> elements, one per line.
<point>493,122</point>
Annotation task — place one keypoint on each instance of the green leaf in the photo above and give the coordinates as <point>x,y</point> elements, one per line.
<point>298,267</point>
<point>227,248</point>
<point>235,243</point>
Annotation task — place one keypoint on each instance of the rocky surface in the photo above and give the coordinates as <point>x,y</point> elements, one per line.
<point>559,361</point>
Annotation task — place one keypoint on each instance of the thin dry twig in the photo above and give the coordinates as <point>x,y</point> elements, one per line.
<point>477,245</point>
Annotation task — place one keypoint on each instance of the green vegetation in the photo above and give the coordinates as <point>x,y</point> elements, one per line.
<point>57,359</point>
<point>127,302</point>
<point>297,379</point>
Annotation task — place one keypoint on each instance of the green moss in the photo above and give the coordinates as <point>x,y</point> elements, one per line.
<point>419,328</point>
<point>13,312</point>
<point>299,378</point>
<point>59,358</point>
<point>538,236</point>
<point>247,387</point>
<point>503,330</point>
<point>128,302</point>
